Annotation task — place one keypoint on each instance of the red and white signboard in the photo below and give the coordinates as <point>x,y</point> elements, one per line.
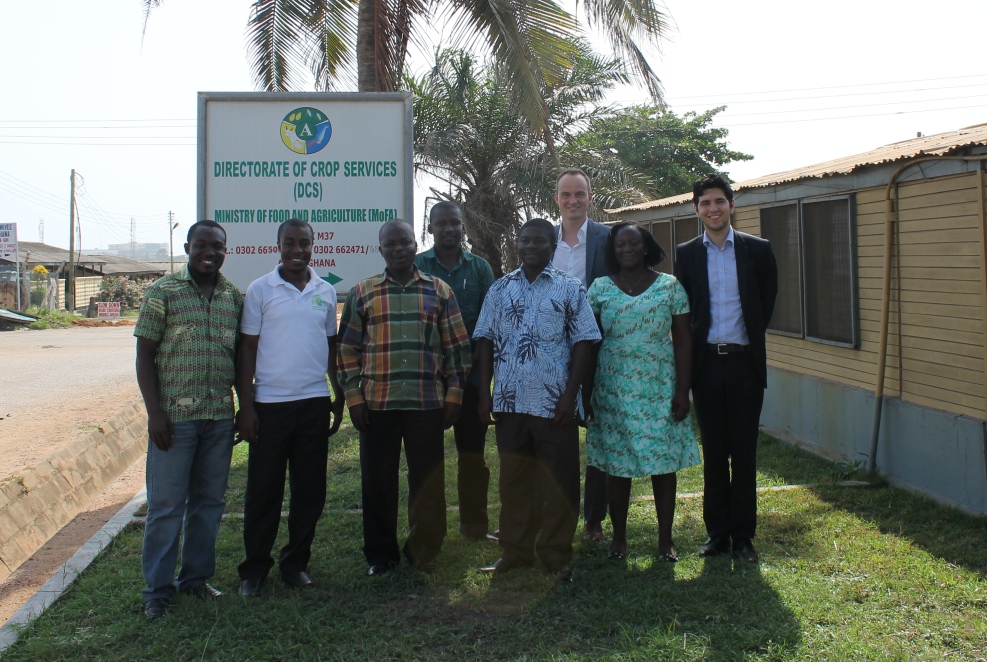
<point>107,309</point>
<point>8,241</point>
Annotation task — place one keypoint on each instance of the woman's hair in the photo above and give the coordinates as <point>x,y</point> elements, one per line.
<point>653,253</point>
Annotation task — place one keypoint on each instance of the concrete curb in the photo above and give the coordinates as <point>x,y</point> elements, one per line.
<point>59,582</point>
<point>38,504</point>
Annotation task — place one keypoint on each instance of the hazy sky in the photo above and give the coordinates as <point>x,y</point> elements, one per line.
<point>81,91</point>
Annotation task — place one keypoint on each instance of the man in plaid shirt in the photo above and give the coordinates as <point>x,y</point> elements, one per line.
<point>403,359</point>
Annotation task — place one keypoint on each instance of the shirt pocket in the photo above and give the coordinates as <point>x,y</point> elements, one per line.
<point>550,322</point>
<point>431,308</point>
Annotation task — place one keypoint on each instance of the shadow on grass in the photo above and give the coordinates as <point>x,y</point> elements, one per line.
<point>942,531</point>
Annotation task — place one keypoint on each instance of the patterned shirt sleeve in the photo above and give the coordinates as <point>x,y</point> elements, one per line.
<point>680,300</point>
<point>484,325</point>
<point>593,296</point>
<point>153,315</point>
<point>583,322</point>
<point>348,358</point>
<point>456,354</point>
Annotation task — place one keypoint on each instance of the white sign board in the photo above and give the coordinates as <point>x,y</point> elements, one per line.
<point>342,162</point>
<point>8,241</point>
<point>107,309</point>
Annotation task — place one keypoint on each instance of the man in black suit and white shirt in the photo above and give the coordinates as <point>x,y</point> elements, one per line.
<point>579,253</point>
<point>732,280</point>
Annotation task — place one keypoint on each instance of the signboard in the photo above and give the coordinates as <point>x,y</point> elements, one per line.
<point>342,162</point>
<point>8,241</point>
<point>107,309</point>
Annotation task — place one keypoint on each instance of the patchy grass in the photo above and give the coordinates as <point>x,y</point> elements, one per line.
<point>846,574</point>
<point>49,319</point>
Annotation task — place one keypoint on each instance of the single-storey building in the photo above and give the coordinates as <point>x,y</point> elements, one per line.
<point>877,340</point>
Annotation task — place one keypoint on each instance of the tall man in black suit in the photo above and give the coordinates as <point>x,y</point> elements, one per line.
<point>579,253</point>
<point>732,280</point>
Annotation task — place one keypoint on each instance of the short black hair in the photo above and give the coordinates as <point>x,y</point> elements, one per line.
<point>396,221</point>
<point>653,253</point>
<point>543,225</point>
<point>708,182</point>
<point>295,223</point>
<point>443,204</point>
<point>205,223</point>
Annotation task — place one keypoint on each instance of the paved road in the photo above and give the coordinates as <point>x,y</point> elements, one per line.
<point>56,384</point>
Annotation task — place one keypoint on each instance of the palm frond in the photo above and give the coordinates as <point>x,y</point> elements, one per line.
<point>276,34</point>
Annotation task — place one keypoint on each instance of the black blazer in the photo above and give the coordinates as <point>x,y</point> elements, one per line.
<point>757,280</point>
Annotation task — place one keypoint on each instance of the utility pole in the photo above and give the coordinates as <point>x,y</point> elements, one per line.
<point>133,238</point>
<point>41,230</point>
<point>171,239</point>
<point>70,275</point>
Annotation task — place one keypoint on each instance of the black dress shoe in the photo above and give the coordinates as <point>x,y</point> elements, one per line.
<point>204,591</point>
<point>298,579</point>
<point>744,549</point>
<point>483,537</point>
<point>565,574</point>
<point>378,570</point>
<point>715,547</point>
<point>155,608</point>
<point>249,588</point>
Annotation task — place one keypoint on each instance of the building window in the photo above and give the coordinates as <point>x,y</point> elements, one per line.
<point>813,245</point>
<point>670,234</point>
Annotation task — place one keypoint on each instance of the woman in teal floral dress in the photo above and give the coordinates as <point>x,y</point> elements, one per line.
<point>639,398</point>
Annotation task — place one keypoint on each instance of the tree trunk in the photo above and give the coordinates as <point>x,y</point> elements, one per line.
<point>366,47</point>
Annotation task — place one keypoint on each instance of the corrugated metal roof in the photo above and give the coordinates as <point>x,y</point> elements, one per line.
<point>934,145</point>
<point>45,254</point>
<point>115,265</point>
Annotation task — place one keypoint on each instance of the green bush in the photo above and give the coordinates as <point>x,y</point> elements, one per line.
<point>128,292</point>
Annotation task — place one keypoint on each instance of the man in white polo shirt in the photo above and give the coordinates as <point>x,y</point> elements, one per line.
<point>287,346</point>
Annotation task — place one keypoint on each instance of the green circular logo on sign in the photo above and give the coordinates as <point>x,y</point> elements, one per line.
<point>305,130</point>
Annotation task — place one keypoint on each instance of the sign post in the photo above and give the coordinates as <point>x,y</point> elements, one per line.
<point>8,251</point>
<point>342,162</point>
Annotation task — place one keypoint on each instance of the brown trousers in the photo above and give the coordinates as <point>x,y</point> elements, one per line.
<point>528,444</point>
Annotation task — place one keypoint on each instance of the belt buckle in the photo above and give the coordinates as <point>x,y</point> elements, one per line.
<point>720,347</point>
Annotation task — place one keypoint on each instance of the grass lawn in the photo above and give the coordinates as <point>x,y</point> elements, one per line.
<point>846,574</point>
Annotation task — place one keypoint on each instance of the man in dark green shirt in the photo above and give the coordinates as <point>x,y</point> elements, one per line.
<point>469,276</point>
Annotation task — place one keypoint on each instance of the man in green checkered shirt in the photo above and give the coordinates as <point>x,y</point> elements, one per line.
<point>186,344</point>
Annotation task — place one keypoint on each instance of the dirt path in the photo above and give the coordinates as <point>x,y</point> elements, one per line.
<point>57,384</point>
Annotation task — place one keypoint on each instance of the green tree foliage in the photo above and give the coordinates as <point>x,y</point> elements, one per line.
<point>670,151</point>
<point>471,134</point>
<point>128,292</point>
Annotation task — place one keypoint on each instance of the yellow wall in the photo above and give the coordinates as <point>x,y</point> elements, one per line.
<point>937,303</point>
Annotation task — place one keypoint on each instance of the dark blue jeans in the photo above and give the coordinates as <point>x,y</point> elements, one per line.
<point>186,495</point>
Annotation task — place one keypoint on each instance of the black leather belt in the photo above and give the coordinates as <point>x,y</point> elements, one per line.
<point>726,348</point>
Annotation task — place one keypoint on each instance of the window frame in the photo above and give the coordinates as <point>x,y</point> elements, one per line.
<point>854,299</point>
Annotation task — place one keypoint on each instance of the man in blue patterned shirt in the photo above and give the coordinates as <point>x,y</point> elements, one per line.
<point>534,335</point>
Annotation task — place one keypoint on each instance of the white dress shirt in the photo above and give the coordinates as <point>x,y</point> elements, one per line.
<point>572,259</point>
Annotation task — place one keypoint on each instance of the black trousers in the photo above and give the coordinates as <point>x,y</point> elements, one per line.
<point>292,438</point>
<point>728,398</point>
<point>473,478</point>
<point>530,445</point>
<point>595,495</point>
<point>380,457</point>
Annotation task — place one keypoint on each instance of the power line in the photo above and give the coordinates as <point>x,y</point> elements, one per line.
<point>834,87</point>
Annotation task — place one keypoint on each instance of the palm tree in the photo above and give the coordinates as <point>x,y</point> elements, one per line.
<point>471,133</point>
<point>531,39</point>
